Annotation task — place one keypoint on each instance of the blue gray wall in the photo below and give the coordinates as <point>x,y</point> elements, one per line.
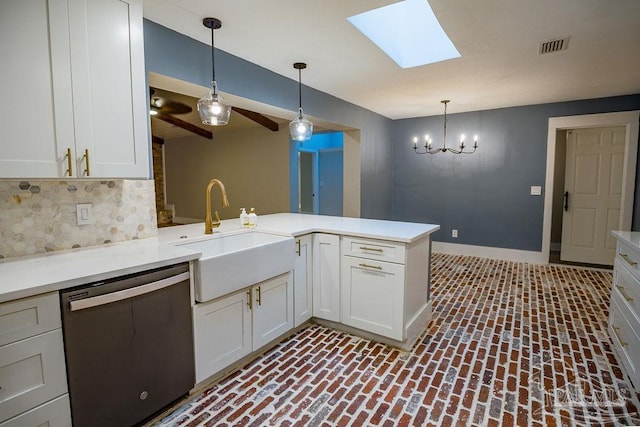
<point>175,55</point>
<point>486,195</point>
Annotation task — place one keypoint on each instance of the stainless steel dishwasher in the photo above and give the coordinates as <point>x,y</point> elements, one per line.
<point>128,345</point>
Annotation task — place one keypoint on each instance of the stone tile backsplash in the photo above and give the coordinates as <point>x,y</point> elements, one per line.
<point>40,216</point>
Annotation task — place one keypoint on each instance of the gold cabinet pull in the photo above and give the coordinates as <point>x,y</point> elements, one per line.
<point>623,293</point>
<point>86,162</point>
<point>366,248</point>
<point>377,267</point>
<point>298,250</point>
<point>250,299</point>
<point>629,260</point>
<point>615,331</point>
<point>259,298</point>
<point>69,170</point>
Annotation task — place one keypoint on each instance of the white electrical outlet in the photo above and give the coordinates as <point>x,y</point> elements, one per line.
<point>536,190</point>
<point>454,233</point>
<point>84,214</point>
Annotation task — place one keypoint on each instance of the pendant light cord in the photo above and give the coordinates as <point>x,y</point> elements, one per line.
<point>300,88</point>
<point>213,61</point>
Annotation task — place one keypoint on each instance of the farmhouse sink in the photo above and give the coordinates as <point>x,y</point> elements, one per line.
<point>232,262</point>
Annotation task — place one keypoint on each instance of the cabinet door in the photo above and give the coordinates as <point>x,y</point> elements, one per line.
<point>303,281</point>
<point>326,276</point>
<point>272,309</point>
<point>54,413</point>
<point>373,296</point>
<point>32,371</point>
<point>36,107</point>
<point>222,333</point>
<point>109,94</point>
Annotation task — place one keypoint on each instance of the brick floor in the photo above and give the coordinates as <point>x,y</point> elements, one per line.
<point>510,344</point>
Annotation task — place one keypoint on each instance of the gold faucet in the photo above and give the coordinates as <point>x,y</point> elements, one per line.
<point>209,224</point>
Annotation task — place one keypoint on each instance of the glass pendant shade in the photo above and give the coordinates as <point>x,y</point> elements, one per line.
<point>300,129</point>
<point>213,109</point>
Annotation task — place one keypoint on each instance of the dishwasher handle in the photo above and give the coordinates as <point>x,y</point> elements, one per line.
<point>127,293</point>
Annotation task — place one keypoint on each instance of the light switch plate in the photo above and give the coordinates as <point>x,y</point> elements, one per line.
<point>84,214</point>
<point>536,190</point>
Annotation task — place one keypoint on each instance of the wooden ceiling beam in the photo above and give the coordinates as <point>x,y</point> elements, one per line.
<point>258,118</point>
<point>157,140</point>
<point>185,125</point>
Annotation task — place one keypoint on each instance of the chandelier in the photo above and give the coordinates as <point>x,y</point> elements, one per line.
<point>428,149</point>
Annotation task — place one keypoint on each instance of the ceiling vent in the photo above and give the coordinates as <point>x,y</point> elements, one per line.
<point>554,45</point>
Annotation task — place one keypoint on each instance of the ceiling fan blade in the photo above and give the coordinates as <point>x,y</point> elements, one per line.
<point>171,107</point>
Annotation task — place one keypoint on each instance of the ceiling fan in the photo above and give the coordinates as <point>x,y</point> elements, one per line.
<point>161,105</point>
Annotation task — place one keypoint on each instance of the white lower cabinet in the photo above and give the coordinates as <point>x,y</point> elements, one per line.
<point>32,366</point>
<point>54,413</point>
<point>222,333</point>
<point>272,309</point>
<point>231,327</point>
<point>373,296</point>
<point>303,280</point>
<point>326,276</point>
<point>624,313</point>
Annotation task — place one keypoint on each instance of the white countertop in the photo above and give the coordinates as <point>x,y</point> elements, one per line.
<point>291,224</point>
<point>630,237</point>
<point>31,275</point>
<point>36,274</point>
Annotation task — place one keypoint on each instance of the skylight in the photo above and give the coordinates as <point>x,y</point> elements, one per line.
<point>408,32</point>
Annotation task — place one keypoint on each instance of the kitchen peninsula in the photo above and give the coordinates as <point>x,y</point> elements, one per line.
<point>368,277</point>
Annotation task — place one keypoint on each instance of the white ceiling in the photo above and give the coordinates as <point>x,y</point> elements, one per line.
<point>498,41</point>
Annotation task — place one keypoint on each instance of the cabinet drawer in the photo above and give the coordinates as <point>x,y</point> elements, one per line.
<point>374,249</point>
<point>54,413</point>
<point>628,256</point>
<point>627,286</point>
<point>624,334</point>
<point>27,317</point>
<point>32,371</point>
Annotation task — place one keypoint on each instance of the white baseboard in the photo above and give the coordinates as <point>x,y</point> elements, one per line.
<point>490,252</point>
<point>184,220</point>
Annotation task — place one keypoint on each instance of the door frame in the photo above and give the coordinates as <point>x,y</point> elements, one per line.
<point>629,119</point>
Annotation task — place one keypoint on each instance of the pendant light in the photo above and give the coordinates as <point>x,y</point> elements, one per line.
<point>300,129</point>
<point>213,109</point>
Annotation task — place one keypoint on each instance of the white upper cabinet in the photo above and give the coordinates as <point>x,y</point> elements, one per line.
<point>74,90</point>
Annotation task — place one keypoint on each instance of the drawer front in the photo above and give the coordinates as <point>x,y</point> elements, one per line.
<point>627,286</point>
<point>32,372</point>
<point>54,413</point>
<point>374,249</point>
<point>27,317</point>
<point>624,334</point>
<point>629,257</point>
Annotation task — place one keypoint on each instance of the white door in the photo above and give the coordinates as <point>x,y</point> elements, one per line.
<point>302,281</point>
<point>272,309</point>
<point>593,193</point>
<point>373,296</point>
<point>36,107</point>
<point>107,59</point>
<point>308,182</point>
<point>326,276</point>
<point>222,333</point>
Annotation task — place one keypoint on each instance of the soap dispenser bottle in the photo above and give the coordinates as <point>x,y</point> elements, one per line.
<point>244,218</point>
<point>253,218</point>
